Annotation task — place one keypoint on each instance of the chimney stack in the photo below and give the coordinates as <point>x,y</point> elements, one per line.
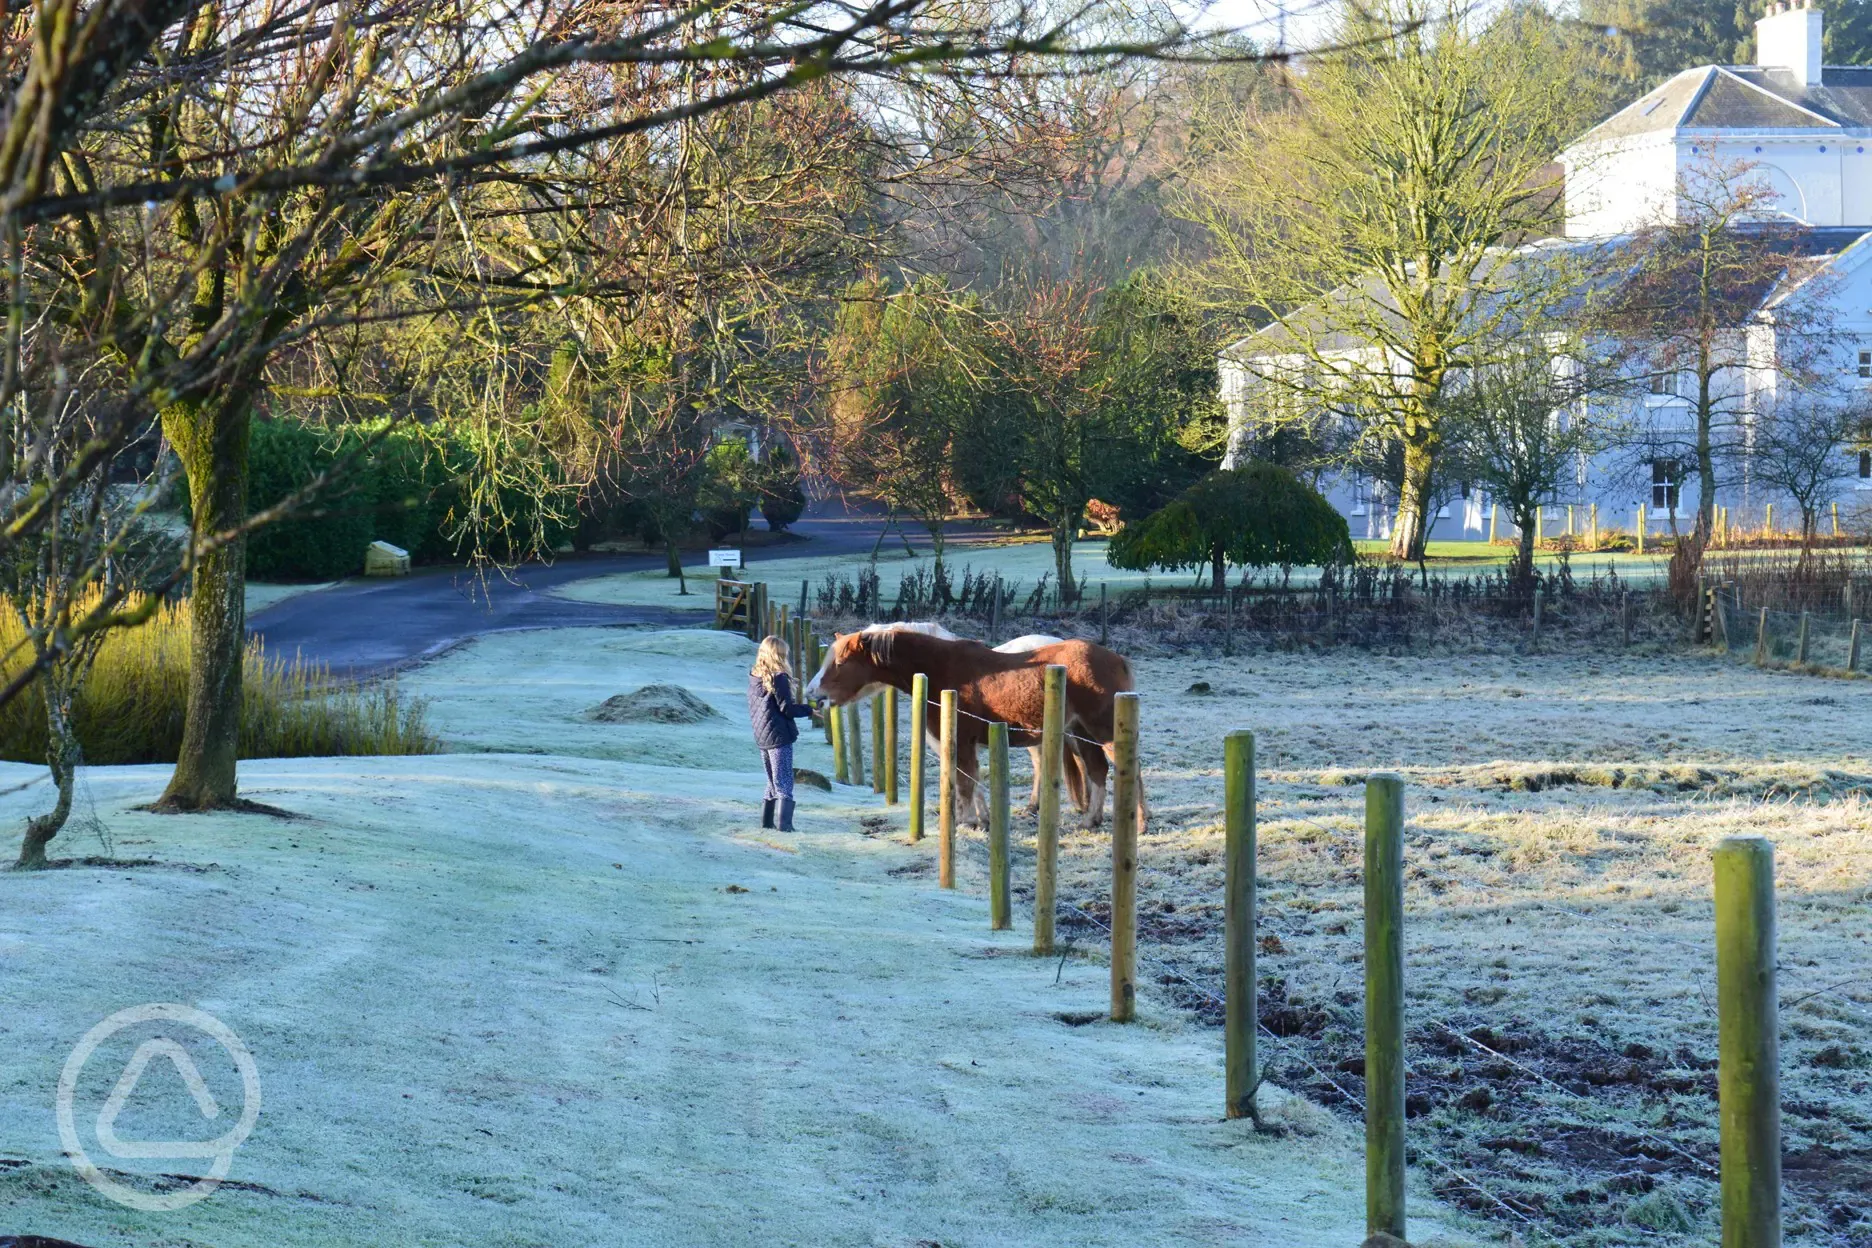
<point>1789,38</point>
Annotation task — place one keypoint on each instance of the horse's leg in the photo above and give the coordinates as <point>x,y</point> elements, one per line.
<point>1033,802</point>
<point>971,802</point>
<point>1098,768</point>
<point>1076,777</point>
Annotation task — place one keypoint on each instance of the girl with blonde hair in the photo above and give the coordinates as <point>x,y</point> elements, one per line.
<point>772,710</point>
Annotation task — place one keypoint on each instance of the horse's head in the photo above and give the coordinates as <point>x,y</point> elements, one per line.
<point>850,670</point>
<point>859,664</point>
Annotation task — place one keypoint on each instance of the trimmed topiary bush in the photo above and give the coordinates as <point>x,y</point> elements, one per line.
<point>782,497</point>
<point>1257,516</point>
<point>729,488</point>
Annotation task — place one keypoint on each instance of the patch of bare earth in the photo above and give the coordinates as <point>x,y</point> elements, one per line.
<point>1560,951</point>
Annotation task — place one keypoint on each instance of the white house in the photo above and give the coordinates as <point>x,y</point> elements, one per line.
<point>1804,132</point>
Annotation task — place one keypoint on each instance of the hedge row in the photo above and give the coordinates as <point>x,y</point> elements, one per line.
<point>407,490</point>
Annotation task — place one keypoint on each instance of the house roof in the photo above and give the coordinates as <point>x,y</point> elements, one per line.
<point>1808,254</point>
<point>1745,97</point>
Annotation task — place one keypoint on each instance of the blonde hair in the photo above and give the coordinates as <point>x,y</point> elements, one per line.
<point>770,661</point>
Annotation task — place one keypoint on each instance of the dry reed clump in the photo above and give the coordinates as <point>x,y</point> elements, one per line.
<point>130,707</point>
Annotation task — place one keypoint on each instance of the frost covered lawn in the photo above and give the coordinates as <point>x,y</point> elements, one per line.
<point>557,1000</point>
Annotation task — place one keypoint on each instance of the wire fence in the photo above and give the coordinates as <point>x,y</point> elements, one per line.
<point>1631,1148</point>
<point>1364,604</point>
<point>1766,636</point>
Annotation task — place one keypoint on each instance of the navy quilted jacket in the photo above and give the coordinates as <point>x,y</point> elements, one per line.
<point>773,713</point>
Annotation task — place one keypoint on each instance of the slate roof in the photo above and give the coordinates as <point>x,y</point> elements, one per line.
<point>1745,97</point>
<point>1809,253</point>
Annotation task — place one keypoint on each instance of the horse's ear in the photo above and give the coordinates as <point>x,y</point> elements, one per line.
<point>846,645</point>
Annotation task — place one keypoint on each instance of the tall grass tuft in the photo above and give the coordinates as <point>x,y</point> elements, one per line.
<point>131,705</point>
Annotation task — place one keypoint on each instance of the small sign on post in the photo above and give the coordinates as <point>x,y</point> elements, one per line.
<point>724,558</point>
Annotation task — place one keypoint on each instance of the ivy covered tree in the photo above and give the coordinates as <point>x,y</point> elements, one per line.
<point>1257,516</point>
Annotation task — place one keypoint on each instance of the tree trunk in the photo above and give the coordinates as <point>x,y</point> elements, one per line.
<point>672,558</point>
<point>62,759</point>
<point>1218,577</point>
<point>1064,526</point>
<point>1411,530</point>
<point>1705,451</point>
<point>1524,550</point>
<point>210,438</point>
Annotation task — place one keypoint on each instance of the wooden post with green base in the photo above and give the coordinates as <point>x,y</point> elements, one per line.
<point>1000,899</point>
<point>945,795</point>
<point>877,743</point>
<point>919,750</point>
<point>1384,1005</point>
<point>889,738</point>
<point>1046,831</point>
<point>835,732</point>
<point>1238,924</point>
<point>854,741</point>
<point>1748,1077</point>
<point>1124,858</point>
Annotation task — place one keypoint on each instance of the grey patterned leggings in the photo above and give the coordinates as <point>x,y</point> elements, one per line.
<point>779,764</point>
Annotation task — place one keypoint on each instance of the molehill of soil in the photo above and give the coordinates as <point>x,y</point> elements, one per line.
<point>654,704</point>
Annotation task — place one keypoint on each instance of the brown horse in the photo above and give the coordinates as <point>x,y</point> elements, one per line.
<point>990,686</point>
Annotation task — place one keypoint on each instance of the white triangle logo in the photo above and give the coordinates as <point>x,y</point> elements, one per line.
<point>185,1066</point>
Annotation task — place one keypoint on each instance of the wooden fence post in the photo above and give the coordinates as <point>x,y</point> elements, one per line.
<point>1384,1005</point>
<point>1852,649</point>
<point>1104,618</point>
<point>945,795</point>
<point>1747,1054</point>
<point>877,742</point>
<point>1000,896</point>
<point>994,615</point>
<point>1761,639</point>
<point>1836,532</point>
<point>1641,528</point>
<point>919,750</point>
<point>1238,924</point>
<point>835,733</point>
<point>1046,830</point>
<point>1534,638</point>
<point>889,737</point>
<point>1624,617</point>
<point>1595,526</point>
<point>802,599</point>
<point>1768,520</point>
<point>1800,643</point>
<point>1124,858</point>
<point>854,743</point>
<point>1228,623</point>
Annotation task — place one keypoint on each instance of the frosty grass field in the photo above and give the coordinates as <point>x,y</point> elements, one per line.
<point>520,996</point>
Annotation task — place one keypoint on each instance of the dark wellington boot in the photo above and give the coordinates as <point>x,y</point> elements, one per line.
<point>786,814</point>
<point>766,813</point>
